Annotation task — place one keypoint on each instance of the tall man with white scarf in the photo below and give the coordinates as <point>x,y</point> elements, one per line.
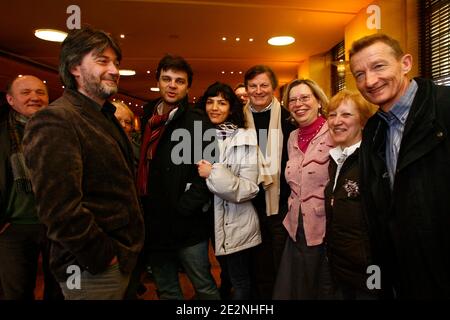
<point>265,114</point>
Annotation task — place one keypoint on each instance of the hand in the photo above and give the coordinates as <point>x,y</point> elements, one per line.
<point>204,168</point>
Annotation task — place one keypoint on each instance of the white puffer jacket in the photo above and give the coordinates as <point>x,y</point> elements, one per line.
<point>234,183</point>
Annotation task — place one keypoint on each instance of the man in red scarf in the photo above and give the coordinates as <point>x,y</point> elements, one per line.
<point>174,197</point>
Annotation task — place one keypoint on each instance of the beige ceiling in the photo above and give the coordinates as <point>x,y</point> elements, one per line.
<point>192,29</point>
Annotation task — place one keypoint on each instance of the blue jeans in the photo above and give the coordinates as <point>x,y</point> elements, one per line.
<point>237,266</point>
<point>195,262</point>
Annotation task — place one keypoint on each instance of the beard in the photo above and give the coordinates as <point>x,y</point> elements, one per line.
<point>96,88</point>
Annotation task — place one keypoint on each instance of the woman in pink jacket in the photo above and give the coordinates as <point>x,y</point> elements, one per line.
<point>304,271</point>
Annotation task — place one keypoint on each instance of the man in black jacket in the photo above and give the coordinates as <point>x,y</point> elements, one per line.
<point>174,197</point>
<point>405,163</point>
<point>22,236</point>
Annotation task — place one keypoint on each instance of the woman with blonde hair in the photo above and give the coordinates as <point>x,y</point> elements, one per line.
<point>304,271</point>
<point>347,237</point>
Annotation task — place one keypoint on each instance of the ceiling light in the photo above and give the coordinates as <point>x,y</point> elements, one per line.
<point>154,89</point>
<point>126,72</point>
<point>281,41</point>
<point>238,39</point>
<point>148,71</point>
<point>251,39</point>
<point>122,36</point>
<point>240,72</point>
<point>223,72</point>
<point>45,81</point>
<point>50,35</point>
<point>232,72</point>
<point>224,38</point>
<point>20,76</point>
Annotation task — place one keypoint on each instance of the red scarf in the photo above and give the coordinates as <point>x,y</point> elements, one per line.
<point>153,131</point>
<point>306,134</point>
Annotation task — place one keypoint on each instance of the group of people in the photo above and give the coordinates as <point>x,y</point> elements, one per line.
<point>298,198</point>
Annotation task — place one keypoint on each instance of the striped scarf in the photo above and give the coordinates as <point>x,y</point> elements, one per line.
<point>153,132</point>
<point>21,175</point>
<point>225,130</point>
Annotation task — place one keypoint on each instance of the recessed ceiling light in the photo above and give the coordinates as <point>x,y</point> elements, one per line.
<point>240,72</point>
<point>154,89</point>
<point>281,41</point>
<point>238,39</point>
<point>223,72</point>
<point>122,36</point>
<point>50,35</point>
<point>44,81</point>
<point>148,71</point>
<point>224,38</point>
<point>20,76</point>
<point>126,72</point>
<point>232,72</point>
<point>251,39</point>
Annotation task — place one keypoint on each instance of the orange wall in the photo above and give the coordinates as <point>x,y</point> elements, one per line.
<point>399,19</point>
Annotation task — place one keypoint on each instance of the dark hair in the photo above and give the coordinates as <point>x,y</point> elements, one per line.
<point>367,41</point>
<point>176,63</point>
<point>259,69</point>
<point>222,89</point>
<point>78,43</point>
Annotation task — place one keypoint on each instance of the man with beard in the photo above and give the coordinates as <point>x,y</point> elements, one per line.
<point>82,172</point>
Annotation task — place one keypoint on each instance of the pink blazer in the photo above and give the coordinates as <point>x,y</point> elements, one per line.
<point>307,175</point>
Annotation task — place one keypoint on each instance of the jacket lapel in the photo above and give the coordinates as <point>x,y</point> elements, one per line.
<point>89,110</point>
<point>422,132</point>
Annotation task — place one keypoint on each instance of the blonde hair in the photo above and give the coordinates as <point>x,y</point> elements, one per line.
<point>120,104</point>
<point>365,108</point>
<point>316,91</point>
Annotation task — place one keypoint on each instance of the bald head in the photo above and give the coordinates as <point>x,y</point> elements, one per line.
<point>27,94</point>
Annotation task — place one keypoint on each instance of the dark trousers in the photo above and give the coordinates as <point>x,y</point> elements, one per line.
<point>20,246</point>
<point>237,267</point>
<point>265,259</point>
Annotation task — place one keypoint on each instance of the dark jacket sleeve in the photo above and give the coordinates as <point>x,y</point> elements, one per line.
<point>54,157</point>
<point>197,198</point>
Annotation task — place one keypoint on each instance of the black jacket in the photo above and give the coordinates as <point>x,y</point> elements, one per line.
<point>6,178</point>
<point>176,208</point>
<point>410,226</point>
<point>347,237</point>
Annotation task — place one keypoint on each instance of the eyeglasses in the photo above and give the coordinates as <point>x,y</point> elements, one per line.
<point>303,99</point>
<point>126,122</point>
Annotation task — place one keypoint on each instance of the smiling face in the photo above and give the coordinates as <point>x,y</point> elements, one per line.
<point>27,95</point>
<point>218,109</point>
<point>345,124</point>
<point>260,91</point>
<point>380,76</point>
<point>303,105</point>
<point>97,75</point>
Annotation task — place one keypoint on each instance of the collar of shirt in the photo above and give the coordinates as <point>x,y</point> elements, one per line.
<point>337,153</point>
<point>400,110</point>
<point>263,110</point>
